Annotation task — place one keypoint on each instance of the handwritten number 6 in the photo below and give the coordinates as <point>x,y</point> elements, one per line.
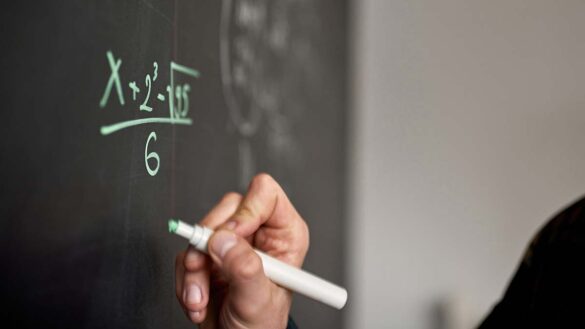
<point>151,155</point>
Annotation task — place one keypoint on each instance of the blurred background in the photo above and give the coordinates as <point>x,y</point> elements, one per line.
<point>461,122</point>
<point>466,137</point>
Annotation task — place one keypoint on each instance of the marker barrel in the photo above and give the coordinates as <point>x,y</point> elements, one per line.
<point>279,272</point>
<point>303,282</point>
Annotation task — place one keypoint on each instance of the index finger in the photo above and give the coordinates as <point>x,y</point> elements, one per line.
<point>265,204</point>
<point>224,209</point>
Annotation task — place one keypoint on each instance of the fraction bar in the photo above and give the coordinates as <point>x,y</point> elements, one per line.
<point>106,130</point>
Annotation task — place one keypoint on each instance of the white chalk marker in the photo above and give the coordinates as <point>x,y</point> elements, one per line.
<point>283,274</point>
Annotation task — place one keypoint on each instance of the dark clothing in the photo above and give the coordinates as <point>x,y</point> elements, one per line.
<point>291,324</point>
<point>548,290</point>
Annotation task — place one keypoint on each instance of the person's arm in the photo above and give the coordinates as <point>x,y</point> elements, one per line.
<point>228,288</point>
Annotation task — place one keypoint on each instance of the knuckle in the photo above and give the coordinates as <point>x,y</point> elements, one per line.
<point>306,235</point>
<point>196,317</point>
<point>305,230</point>
<point>252,310</point>
<point>247,266</point>
<point>193,260</point>
<point>263,179</point>
<point>301,238</point>
<point>231,197</point>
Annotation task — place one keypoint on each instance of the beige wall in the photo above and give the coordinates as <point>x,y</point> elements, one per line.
<point>468,133</point>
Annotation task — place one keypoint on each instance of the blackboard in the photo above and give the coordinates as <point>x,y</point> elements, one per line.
<point>117,115</point>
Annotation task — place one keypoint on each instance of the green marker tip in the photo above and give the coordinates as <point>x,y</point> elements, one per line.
<point>173,225</point>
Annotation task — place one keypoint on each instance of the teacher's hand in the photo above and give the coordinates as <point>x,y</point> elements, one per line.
<point>228,289</point>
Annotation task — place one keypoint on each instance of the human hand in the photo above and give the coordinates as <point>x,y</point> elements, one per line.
<point>228,288</point>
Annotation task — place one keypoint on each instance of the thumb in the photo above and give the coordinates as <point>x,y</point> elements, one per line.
<point>249,288</point>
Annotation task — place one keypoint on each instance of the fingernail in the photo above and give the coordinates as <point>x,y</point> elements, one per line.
<point>230,225</point>
<point>222,242</point>
<point>193,294</point>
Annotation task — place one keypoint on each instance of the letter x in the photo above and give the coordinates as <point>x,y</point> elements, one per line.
<point>114,78</point>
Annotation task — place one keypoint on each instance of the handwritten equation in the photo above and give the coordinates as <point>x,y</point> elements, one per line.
<point>175,96</point>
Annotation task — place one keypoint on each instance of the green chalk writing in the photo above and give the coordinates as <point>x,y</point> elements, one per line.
<point>155,65</point>
<point>135,89</point>
<point>114,79</point>
<point>151,155</point>
<point>185,70</point>
<point>180,92</point>
<point>106,130</point>
<point>177,97</point>
<point>143,106</point>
